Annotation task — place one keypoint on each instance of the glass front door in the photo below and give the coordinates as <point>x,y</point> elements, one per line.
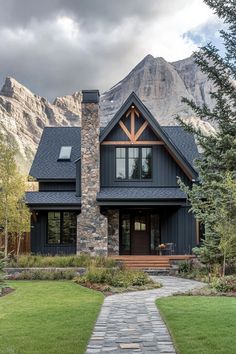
<point>139,232</point>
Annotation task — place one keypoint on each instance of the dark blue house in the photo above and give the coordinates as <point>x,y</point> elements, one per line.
<point>113,190</point>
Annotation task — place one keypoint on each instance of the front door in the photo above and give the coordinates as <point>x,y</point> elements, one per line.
<point>140,242</point>
<point>139,232</point>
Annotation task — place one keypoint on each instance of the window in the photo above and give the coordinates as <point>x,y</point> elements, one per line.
<point>61,227</point>
<point>65,153</point>
<point>120,163</point>
<point>125,233</point>
<point>140,223</point>
<point>134,163</point>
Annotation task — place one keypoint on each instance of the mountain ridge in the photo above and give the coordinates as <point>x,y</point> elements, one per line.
<point>158,83</point>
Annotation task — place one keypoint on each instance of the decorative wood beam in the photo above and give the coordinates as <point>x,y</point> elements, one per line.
<point>135,110</point>
<point>141,129</point>
<point>123,127</point>
<point>139,142</point>
<point>132,124</point>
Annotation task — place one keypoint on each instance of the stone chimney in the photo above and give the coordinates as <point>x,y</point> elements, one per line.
<point>92,226</point>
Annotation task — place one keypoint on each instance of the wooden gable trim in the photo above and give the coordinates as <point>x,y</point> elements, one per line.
<point>139,142</point>
<point>123,127</point>
<point>133,138</point>
<point>141,130</point>
<point>132,102</point>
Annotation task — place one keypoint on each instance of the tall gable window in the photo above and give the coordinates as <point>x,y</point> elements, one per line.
<point>134,163</point>
<point>65,153</point>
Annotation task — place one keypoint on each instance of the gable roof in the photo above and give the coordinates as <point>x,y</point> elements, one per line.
<point>169,143</point>
<point>46,164</point>
<point>47,167</point>
<point>184,141</point>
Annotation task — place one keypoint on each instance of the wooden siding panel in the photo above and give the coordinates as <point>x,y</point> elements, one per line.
<point>165,170</point>
<point>39,237</point>
<point>179,226</point>
<point>56,186</point>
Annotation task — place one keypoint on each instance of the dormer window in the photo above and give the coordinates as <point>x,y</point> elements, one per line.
<point>65,153</point>
<point>133,163</point>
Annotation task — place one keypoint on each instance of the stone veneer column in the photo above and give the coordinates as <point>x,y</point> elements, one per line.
<point>113,216</point>
<point>92,227</point>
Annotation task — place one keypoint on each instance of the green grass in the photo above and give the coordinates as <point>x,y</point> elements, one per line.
<point>42,317</point>
<point>201,325</point>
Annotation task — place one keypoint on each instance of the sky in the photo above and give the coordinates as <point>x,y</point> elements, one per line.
<point>57,47</point>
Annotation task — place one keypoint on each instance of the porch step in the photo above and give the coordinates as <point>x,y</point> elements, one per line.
<point>150,262</point>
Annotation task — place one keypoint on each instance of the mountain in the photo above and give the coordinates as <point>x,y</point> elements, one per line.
<point>23,116</point>
<point>159,84</point>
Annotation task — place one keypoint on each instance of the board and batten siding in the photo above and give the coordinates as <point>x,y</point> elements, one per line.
<point>39,237</point>
<point>165,169</point>
<point>178,226</point>
<point>57,186</point>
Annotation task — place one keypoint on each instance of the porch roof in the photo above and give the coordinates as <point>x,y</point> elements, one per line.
<point>140,195</point>
<point>45,200</point>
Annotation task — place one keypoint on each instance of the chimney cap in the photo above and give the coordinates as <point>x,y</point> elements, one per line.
<point>90,96</point>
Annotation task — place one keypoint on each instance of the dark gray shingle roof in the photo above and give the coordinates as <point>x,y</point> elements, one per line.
<point>145,193</point>
<point>58,198</point>
<point>47,166</point>
<point>184,141</point>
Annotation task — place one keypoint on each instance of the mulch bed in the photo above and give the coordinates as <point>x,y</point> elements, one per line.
<point>6,291</point>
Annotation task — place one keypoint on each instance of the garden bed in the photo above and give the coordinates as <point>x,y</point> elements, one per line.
<point>113,280</point>
<point>81,261</point>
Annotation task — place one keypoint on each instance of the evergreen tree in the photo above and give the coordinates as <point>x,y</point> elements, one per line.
<point>219,149</point>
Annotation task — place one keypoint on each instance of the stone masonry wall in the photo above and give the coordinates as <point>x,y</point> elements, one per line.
<point>92,226</point>
<point>113,217</point>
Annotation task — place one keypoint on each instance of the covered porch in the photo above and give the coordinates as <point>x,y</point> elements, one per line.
<point>157,232</point>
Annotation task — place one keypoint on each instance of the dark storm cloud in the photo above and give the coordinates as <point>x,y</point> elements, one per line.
<point>56,47</point>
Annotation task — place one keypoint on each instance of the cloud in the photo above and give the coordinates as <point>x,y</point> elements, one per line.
<point>57,47</point>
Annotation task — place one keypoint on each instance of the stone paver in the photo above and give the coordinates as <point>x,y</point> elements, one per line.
<point>131,323</point>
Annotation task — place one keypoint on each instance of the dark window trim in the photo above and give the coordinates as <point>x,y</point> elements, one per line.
<point>127,164</point>
<point>61,229</point>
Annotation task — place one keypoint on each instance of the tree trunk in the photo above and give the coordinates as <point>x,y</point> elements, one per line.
<point>6,238</point>
<point>18,246</point>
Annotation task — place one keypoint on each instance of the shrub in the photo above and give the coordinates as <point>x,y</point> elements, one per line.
<point>41,274</point>
<point>114,277</point>
<point>185,267</point>
<point>84,260</point>
<point>224,284</point>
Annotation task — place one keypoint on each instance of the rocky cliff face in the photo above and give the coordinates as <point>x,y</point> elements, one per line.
<point>23,116</point>
<point>159,84</point>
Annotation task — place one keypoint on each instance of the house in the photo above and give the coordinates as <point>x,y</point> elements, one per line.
<point>113,190</point>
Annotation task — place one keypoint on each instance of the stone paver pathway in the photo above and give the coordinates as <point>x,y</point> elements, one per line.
<point>130,323</point>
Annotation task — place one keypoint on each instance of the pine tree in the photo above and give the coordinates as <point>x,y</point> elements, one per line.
<point>219,149</point>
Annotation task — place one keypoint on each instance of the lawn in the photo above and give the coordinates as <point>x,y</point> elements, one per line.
<point>47,317</point>
<point>201,325</point>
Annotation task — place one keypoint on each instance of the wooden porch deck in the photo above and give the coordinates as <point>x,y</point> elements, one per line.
<point>150,261</point>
